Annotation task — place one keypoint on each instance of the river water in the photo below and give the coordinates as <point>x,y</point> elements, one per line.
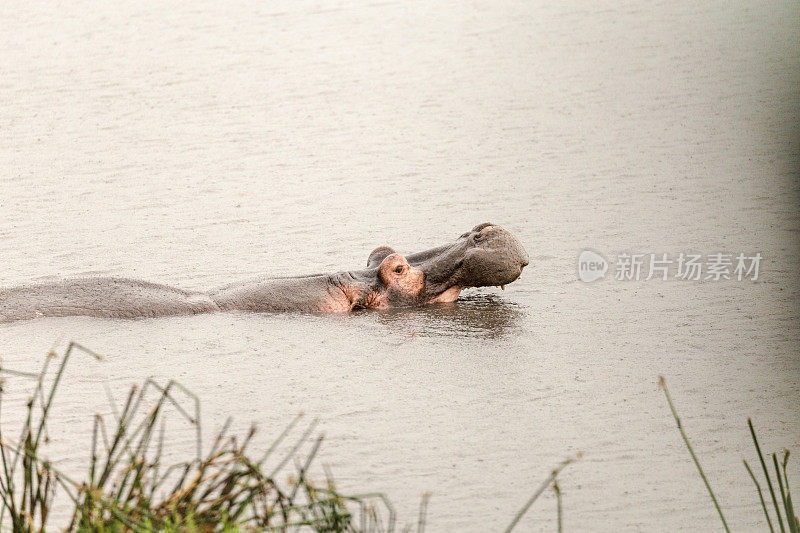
<point>202,143</point>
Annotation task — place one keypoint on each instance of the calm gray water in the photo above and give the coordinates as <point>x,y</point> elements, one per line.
<point>203,143</point>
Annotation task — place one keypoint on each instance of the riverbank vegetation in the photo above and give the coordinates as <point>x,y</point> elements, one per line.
<point>225,487</point>
<point>786,520</point>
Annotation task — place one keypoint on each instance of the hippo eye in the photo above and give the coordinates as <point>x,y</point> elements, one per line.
<point>399,269</point>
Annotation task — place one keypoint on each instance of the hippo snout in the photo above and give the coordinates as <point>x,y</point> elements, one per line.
<point>492,256</point>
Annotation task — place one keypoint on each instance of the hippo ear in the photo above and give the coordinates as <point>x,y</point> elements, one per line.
<point>481,226</point>
<point>378,255</point>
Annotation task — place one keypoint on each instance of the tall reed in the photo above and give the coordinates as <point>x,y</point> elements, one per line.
<point>128,486</point>
<point>788,521</point>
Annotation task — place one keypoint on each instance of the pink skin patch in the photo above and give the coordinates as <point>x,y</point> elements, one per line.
<point>448,296</point>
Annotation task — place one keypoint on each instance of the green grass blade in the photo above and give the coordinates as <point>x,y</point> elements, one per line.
<point>423,512</point>
<point>760,495</point>
<point>559,507</point>
<point>691,452</point>
<point>766,474</point>
<point>280,438</point>
<point>303,438</point>
<point>783,492</point>
<point>546,483</point>
<point>791,517</point>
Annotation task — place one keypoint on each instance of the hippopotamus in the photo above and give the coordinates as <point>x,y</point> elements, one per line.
<point>487,255</point>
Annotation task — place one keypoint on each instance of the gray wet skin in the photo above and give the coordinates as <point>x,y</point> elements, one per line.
<point>487,255</point>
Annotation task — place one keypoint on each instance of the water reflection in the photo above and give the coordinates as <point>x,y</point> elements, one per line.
<point>479,315</point>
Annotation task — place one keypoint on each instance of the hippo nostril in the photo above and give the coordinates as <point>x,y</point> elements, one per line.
<point>485,230</point>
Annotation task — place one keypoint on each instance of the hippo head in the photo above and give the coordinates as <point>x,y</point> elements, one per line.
<point>487,255</point>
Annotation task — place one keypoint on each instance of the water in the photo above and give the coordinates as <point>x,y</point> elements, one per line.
<point>202,144</point>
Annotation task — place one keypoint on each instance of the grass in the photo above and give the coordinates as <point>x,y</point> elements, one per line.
<point>128,488</point>
<point>788,521</point>
<point>549,481</point>
<point>227,488</point>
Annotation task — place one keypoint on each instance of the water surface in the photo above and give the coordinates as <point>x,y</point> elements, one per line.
<point>210,142</point>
